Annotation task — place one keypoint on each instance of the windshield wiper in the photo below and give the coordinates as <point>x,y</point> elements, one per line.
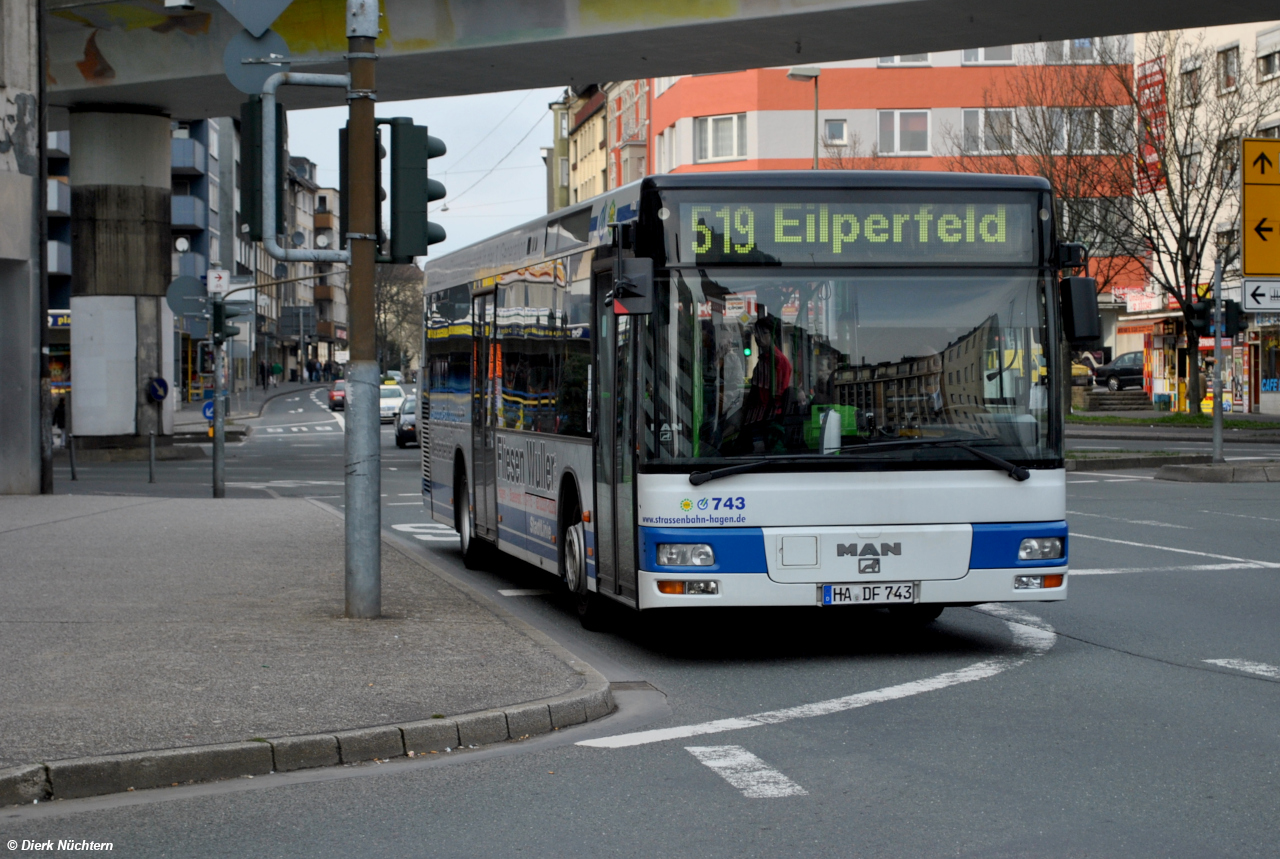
<point>1017,472</point>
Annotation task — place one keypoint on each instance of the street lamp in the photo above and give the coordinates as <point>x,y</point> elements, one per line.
<point>810,73</point>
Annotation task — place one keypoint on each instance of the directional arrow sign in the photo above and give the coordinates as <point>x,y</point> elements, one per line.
<point>1262,296</point>
<point>1260,203</point>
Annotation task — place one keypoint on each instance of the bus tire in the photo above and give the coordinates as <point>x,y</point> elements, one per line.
<point>464,524</point>
<point>918,614</point>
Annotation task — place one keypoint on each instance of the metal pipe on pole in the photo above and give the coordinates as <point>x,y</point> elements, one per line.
<point>1217,360</point>
<point>363,578</point>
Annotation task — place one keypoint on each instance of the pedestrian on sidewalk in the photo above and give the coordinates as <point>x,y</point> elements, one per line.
<point>276,372</point>
<point>262,374</point>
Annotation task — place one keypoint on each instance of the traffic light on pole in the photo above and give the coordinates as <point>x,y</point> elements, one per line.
<point>1201,317</point>
<point>412,232</point>
<point>220,329</point>
<point>251,168</point>
<point>1234,319</point>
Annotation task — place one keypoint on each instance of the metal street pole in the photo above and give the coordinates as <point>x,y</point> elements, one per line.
<point>363,455</point>
<point>815,122</point>
<point>219,418</point>
<point>1217,360</point>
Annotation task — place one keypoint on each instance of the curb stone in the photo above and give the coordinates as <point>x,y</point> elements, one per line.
<point>76,778</point>
<point>79,777</point>
<point>1221,473</point>
<point>20,785</point>
<point>1106,463</point>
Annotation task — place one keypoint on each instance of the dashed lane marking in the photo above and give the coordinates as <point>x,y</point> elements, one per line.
<point>523,592</point>
<point>1150,522</point>
<point>1250,561</point>
<point>1031,635</point>
<point>403,504</point>
<point>1241,516</point>
<point>1190,568</point>
<point>1262,669</point>
<point>746,772</point>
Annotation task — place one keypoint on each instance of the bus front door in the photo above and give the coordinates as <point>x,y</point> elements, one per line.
<point>484,416</point>
<point>615,526</point>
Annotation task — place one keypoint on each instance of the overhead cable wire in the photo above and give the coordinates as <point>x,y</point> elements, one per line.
<point>488,172</point>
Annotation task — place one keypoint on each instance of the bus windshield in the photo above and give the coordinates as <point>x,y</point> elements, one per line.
<point>748,364</point>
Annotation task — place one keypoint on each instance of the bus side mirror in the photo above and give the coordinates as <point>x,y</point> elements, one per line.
<point>1080,320</point>
<point>633,291</point>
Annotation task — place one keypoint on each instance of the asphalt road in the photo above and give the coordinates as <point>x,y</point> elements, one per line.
<point>1137,718</point>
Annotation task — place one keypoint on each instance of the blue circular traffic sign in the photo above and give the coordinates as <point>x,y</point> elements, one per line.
<point>208,410</point>
<point>157,390</point>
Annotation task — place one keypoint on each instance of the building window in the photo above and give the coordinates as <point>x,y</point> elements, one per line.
<point>905,60</point>
<point>564,123</point>
<point>1228,69</point>
<point>1272,131</point>
<point>1070,51</point>
<point>564,172</point>
<point>988,130</point>
<point>1228,161</point>
<point>1001,54</point>
<point>904,132</point>
<point>720,138</point>
<point>1088,130</point>
<point>1269,66</point>
<point>1189,82</point>
<point>661,85</point>
<point>835,131</point>
<point>1228,245</point>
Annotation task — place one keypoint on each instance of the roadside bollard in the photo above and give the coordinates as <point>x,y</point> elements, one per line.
<point>71,452</point>
<point>151,459</point>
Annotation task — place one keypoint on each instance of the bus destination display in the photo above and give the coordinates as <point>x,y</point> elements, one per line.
<point>808,233</point>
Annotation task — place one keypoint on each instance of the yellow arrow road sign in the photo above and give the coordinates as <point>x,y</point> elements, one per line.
<point>1260,207</point>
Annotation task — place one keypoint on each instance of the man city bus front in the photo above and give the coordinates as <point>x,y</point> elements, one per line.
<point>848,392</point>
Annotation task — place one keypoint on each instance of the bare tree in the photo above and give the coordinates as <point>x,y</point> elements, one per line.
<point>397,297</point>
<point>1142,151</point>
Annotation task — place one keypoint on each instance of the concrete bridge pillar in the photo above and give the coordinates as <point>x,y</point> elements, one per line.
<point>121,326</point>
<point>20,250</point>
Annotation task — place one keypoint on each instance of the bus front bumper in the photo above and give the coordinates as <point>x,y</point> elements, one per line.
<point>757,589</point>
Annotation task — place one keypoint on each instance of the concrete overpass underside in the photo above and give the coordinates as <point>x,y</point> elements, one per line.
<point>137,52</point>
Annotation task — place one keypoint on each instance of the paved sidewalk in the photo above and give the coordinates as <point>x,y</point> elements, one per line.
<point>1163,432</point>
<point>132,623</point>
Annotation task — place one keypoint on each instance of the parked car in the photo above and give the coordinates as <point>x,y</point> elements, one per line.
<point>389,399</point>
<point>1125,371</point>
<point>407,422</point>
<point>337,395</point>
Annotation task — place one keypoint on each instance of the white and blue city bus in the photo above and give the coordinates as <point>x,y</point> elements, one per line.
<point>763,389</point>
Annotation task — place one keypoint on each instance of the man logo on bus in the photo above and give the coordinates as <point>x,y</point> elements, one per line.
<point>868,565</point>
<point>686,505</point>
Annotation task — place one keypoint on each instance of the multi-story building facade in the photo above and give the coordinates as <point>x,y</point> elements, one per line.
<point>588,142</point>
<point>330,289</point>
<point>556,156</point>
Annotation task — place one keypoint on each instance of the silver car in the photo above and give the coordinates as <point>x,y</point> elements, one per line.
<point>389,399</point>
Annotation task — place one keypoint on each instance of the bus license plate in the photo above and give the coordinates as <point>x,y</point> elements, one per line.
<point>877,594</point>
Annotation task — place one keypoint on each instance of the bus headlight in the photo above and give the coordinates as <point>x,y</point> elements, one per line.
<point>1040,549</point>
<point>685,555</point>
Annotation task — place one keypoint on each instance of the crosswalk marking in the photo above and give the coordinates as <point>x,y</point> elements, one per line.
<point>1262,669</point>
<point>746,772</point>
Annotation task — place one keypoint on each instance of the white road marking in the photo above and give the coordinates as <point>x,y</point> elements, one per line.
<point>523,592</point>
<point>1191,568</point>
<point>1122,480</point>
<point>1150,522</point>
<point>284,484</point>
<point>403,503</point>
<point>1262,669</point>
<point>746,772</point>
<point>1081,481</point>
<point>420,527</point>
<point>1240,515</point>
<point>409,494</point>
<point>436,538</point>
<point>1031,635</point>
<point>1251,561</point>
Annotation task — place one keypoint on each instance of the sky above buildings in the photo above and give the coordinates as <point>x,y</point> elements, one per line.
<point>493,170</point>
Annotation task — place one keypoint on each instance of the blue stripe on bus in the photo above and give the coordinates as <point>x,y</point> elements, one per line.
<point>737,550</point>
<point>995,545</point>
